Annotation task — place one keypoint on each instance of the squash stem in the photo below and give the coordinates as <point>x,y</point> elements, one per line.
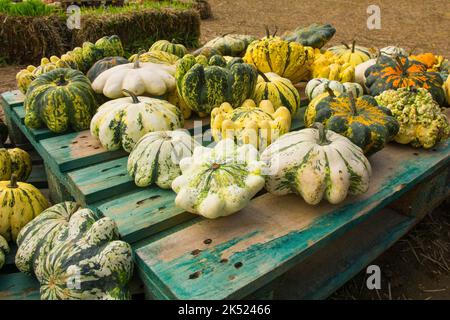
<point>402,66</point>
<point>137,61</point>
<point>353,46</point>
<point>267,31</point>
<point>13,182</point>
<point>352,103</point>
<point>215,166</point>
<point>330,92</point>
<point>132,95</point>
<point>61,81</point>
<point>322,133</point>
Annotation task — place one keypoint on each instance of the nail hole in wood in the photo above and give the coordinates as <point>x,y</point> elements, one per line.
<point>416,153</point>
<point>75,142</point>
<point>82,137</point>
<point>223,260</point>
<point>207,241</point>
<point>97,147</point>
<point>196,252</point>
<point>63,147</point>
<point>195,275</point>
<point>232,277</point>
<point>237,265</point>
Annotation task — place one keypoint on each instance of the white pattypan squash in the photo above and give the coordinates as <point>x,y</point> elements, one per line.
<point>123,121</point>
<point>219,181</point>
<point>316,164</point>
<point>139,77</point>
<point>156,157</point>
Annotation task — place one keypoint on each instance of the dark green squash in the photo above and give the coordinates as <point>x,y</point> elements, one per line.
<point>205,84</point>
<point>315,35</point>
<point>170,47</point>
<point>208,52</point>
<point>60,99</point>
<point>402,72</point>
<point>367,124</point>
<point>103,65</point>
<point>231,44</point>
<point>3,133</point>
<point>110,46</point>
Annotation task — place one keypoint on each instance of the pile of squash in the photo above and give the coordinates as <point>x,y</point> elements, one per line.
<point>359,99</point>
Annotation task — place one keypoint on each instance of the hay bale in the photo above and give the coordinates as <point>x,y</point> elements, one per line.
<point>203,7</point>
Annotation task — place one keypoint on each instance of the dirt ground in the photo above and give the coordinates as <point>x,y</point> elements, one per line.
<point>416,267</point>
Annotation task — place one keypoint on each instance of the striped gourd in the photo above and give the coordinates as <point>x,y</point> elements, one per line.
<point>14,161</point>
<point>367,124</point>
<point>4,250</point>
<point>287,59</point>
<point>352,54</point>
<point>280,91</point>
<point>156,157</point>
<point>122,122</point>
<point>169,46</point>
<point>19,203</point>
<point>156,56</point>
<point>318,86</point>
<point>103,65</point>
<point>316,164</point>
<point>75,255</point>
<point>60,99</point>
<point>256,125</point>
<point>206,84</point>
<point>219,181</point>
<point>231,44</point>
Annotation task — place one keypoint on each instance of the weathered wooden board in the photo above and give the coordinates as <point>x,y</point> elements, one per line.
<point>13,98</point>
<point>18,286</point>
<point>234,256</point>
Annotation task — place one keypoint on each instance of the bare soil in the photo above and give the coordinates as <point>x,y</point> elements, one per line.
<point>416,267</point>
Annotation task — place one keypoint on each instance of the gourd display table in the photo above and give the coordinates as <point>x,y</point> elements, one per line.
<point>276,242</point>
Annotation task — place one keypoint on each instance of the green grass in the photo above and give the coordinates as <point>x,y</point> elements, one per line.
<point>33,8</point>
<point>158,5</point>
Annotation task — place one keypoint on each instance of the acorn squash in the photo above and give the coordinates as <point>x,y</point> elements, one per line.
<point>75,255</point>
<point>249,123</point>
<point>60,99</point>
<point>219,181</point>
<point>19,203</point>
<point>367,124</point>
<point>316,164</point>
<point>122,122</point>
<point>205,84</point>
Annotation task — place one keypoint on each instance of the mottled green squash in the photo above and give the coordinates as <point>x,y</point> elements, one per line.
<point>16,162</point>
<point>4,250</point>
<point>402,72</point>
<point>170,47</point>
<point>3,132</point>
<point>315,35</point>
<point>156,56</point>
<point>110,46</point>
<point>103,65</point>
<point>75,255</point>
<point>205,84</point>
<point>208,52</point>
<point>60,99</point>
<point>233,45</point>
<point>367,124</point>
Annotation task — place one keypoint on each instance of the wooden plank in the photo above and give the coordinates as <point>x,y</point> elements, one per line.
<point>13,98</point>
<point>38,176</point>
<point>142,213</point>
<point>319,275</point>
<point>18,286</point>
<point>275,233</point>
<point>57,190</point>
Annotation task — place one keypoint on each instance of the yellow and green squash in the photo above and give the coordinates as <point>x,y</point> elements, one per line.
<point>169,46</point>
<point>16,162</point>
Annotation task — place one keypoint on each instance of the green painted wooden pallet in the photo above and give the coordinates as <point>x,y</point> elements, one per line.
<point>179,255</point>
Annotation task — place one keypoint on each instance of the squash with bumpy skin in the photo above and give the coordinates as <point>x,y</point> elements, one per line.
<point>169,46</point>
<point>60,99</point>
<point>138,77</point>
<point>315,35</point>
<point>327,65</point>
<point>19,203</point>
<point>75,255</point>
<point>219,181</point>
<point>103,65</point>
<point>367,124</point>
<point>233,45</point>
<point>316,164</point>
<point>280,91</point>
<point>250,124</point>
<point>122,122</point>
<point>156,157</point>
<point>206,83</point>
<point>287,59</point>
<point>14,161</point>
<point>422,123</point>
<point>4,250</point>
<point>352,54</point>
<point>403,72</point>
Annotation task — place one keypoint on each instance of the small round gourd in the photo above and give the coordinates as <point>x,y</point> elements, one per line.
<point>122,122</point>
<point>156,157</point>
<point>19,203</point>
<point>14,161</point>
<point>316,164</point>
<point>170,47</point>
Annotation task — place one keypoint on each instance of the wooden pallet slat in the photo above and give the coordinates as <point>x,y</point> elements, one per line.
<point>264,240</point>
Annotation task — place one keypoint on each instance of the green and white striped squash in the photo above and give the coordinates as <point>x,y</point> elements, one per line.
<point>156,56</point>
<point>316,164</point>
<point>206,84</point>
<point>219,181</point>
<point>170,47</point>
<point>156,157</point>
<point>14,161</point>
<point>231,44</point>
<point>122,122</point>
<point>74,254</point>
<point>318,86</point>
<point>103,65</point>
<point>60,99</point>
<point>4,250</point>
<point>278,90</point>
